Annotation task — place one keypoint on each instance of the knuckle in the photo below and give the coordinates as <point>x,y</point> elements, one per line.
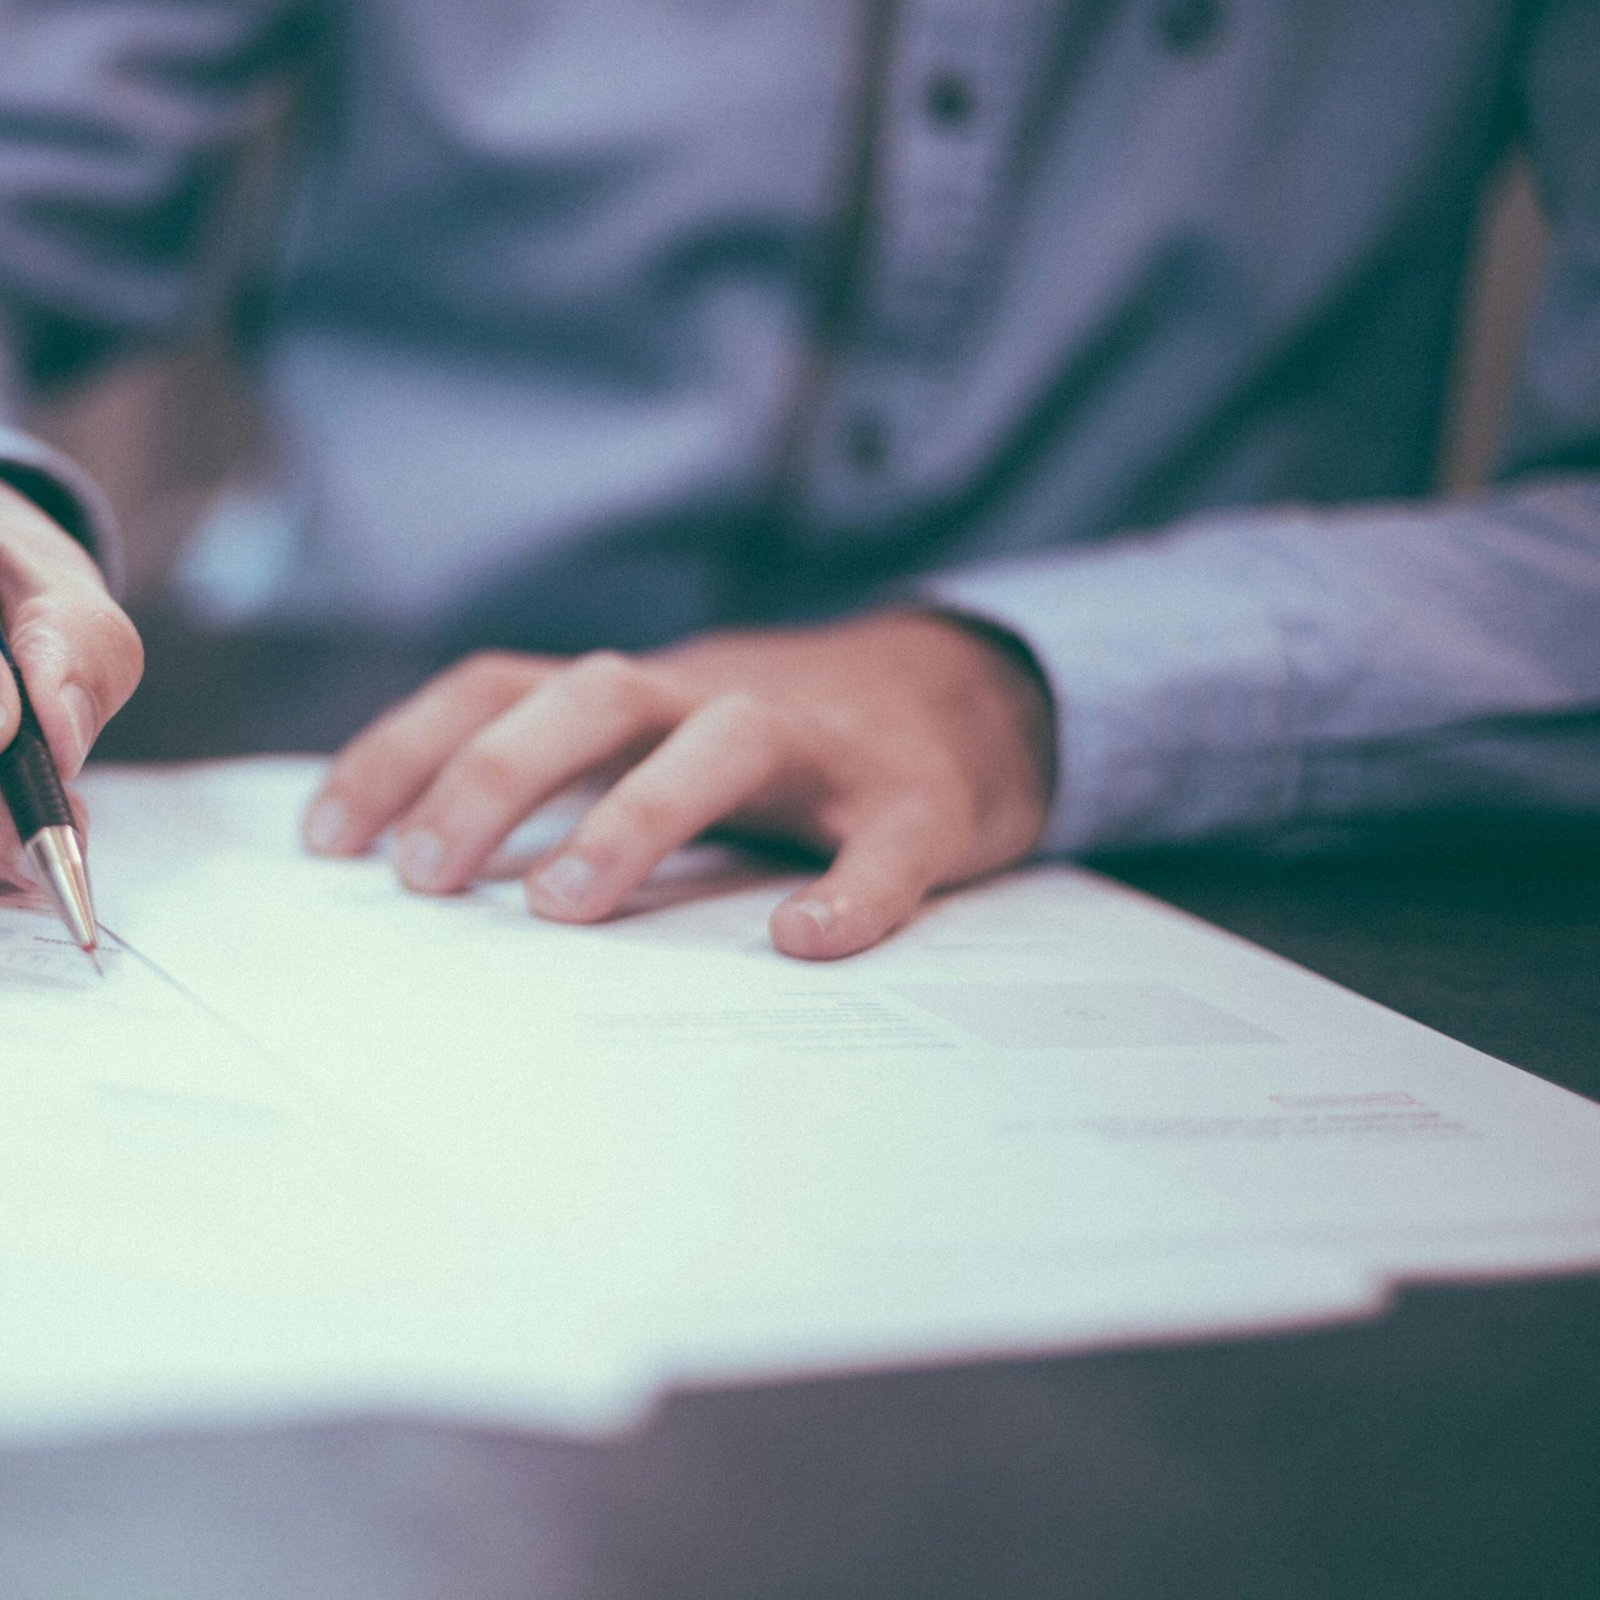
<point>607,680</point>
<point>39,623</point>
<point>740,712</point>
<point>91,639</point>
<point>483,769</point>
<point>491,674</point>
<point>754,724</point>
<point>644,814</point>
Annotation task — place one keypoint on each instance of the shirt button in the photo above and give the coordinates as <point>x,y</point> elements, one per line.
<point>947,100</point>
<point>866,442</point>
<point>1188,27</point>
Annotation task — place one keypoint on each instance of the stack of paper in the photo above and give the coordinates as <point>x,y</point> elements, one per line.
<point>318,1145</point>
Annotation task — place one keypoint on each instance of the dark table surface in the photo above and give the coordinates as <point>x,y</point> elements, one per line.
<point>1450,1448</point>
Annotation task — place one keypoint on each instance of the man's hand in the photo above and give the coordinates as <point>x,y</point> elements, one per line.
<point>912,749</point>
<point>77,650</point>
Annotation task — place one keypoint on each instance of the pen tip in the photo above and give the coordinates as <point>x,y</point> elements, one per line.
<point>93,953</point>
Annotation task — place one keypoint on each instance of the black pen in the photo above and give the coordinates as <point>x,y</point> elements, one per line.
<point>37,801</point>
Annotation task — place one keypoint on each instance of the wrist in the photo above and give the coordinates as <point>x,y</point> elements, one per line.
<point>1006,697</point>
<point>41,485</point>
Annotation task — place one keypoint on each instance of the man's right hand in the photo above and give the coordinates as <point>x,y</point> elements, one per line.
<point>77,650</point>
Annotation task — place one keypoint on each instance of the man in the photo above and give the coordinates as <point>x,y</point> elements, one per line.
<point>1065,378</point>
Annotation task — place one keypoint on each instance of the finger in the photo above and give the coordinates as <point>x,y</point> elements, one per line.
<point>717,761</point>
<point>81,659</point>
<point>602,707</point>
<point>383,770</point>
<point>882,873</point>
<point>76,649</point>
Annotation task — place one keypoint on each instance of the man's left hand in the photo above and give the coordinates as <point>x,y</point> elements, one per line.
<point>914,750</point>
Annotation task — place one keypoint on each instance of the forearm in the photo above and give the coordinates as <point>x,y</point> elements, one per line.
<point>1243,671</point>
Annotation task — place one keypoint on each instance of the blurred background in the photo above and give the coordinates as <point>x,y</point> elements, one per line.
<point>167,437</point>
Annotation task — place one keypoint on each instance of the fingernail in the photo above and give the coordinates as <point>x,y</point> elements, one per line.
<point>79,707</point>
<point>418,857</point>
<point>801,928</point>
<point>818,912</point>
<point>565,882</point>
<point>327,828</point>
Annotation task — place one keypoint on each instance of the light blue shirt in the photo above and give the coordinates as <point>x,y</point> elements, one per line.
<point>1123,326</point>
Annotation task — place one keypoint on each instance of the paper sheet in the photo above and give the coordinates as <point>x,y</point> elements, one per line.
<point>318,1144</point>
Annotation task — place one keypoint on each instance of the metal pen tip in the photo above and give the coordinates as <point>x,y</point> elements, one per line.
<point>57,859</point>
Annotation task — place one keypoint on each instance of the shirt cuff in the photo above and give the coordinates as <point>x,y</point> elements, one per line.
<point>65,492</point>
<point>1169,674</point>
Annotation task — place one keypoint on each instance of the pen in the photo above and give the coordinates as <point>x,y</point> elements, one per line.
<point>37,801</point>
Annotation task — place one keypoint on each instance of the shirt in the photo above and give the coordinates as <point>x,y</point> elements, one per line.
<point>1121,326</point>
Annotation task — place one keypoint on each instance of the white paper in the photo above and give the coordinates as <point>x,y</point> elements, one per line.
<point>318,1144</point>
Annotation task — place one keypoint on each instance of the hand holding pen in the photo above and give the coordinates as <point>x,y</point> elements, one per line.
<point>71,658</point>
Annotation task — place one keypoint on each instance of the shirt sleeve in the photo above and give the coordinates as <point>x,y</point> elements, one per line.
<point>54,482</point>
<point>1242,671</point>
<point>63,490</point>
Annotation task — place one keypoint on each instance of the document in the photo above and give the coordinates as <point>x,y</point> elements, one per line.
<point>317,1145</point>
